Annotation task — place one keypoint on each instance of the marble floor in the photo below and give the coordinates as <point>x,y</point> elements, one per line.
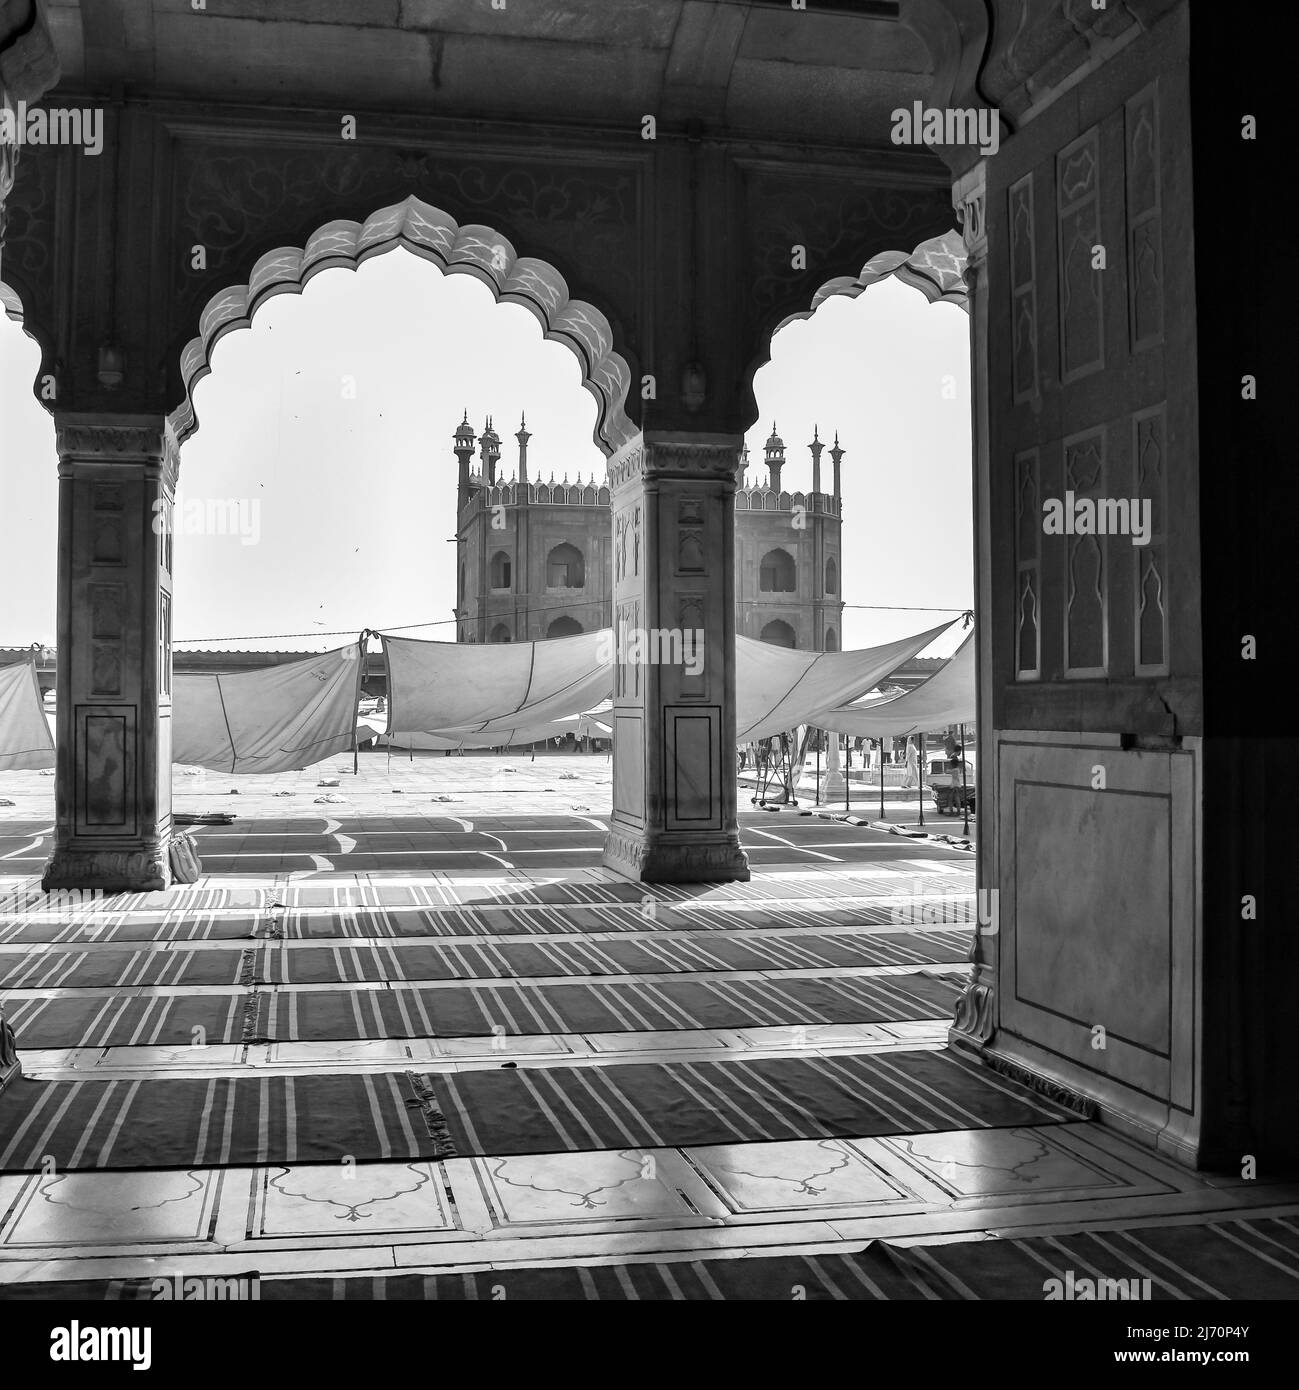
<point>588,1207</point>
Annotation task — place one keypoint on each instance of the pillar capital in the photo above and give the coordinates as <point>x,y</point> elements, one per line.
<point>657,454</point>
<point>969,198</point>
<point>143,446</point>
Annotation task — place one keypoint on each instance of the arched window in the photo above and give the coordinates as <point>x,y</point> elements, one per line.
<point>831,576</point>
<point>500,633</point>
<point>500,571</point>
<point>565,568</point>
<point>776,574</point>
<point>564,627</point>
<point>779,634</point>
<point>831,640</point>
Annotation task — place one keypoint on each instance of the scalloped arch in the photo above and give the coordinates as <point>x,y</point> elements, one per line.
<point>936,268</point>
<point>433,235</point>
<point>11,306</point>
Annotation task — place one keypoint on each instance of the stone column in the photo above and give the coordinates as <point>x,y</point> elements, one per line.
<point>976,1008</point>
<point>832,783</point>
<point>117,482</point>
<point>674,784</point>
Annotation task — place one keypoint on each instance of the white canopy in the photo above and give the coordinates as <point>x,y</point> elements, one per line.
<point>947,697</point>
<point>458,695</point>
<point>479,696</point>
<point>778,688</point>
<point>25,742</point>
<point>276,719</point>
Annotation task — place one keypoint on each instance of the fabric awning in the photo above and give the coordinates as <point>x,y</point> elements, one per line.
<point>947,697</point>
<point>777,688</point>
<point>475,696</point>
<point>480,696</point>
<point>276,719</point>
<point>25,741</point>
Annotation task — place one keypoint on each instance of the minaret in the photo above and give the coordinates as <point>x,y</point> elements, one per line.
<point>463,449</point>
<point>836,454</point>
<point>523,546</point>
<point>523,436</point>
<point>816,505</point>
<point>489,445</point>
<point>743,481</point>
<point>775,455</point>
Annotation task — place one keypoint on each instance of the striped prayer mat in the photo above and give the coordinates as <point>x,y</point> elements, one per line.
<point>472,920</point>
<point>98,967</point>
<point>899,876</point>
<point>548,1109</point>
<point>141,926</point>
<point>448,1012</point>
<point>956,910</point>
<point>27,899</point>
<point>1213,1260</point>
<point>322,1119</point>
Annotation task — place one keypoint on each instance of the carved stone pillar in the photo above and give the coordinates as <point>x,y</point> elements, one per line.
<point>117,482</point>
<point>674,786</point>
<point>976,1008</point>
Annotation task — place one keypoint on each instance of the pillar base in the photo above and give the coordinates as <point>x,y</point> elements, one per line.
<point>972,1026</point>
<point>665,859</point>
<point>11,1068</point>
<point>131,871</point>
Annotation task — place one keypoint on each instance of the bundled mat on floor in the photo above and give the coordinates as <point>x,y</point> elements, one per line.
<point>322,1119</point>
<point>1222,1259</point>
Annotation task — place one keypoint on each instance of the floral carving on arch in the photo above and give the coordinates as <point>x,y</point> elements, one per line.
<point>435,236</point>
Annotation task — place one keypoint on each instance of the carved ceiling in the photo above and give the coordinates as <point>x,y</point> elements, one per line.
<point>832,72</point>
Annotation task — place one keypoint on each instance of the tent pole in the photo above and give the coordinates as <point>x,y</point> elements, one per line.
<point>965,791</point>
<point>817,736</point>
<point>882,815</point>
<point>847,758</point>
<point>921,761</point>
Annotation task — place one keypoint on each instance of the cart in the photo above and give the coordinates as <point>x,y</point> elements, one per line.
<point>953,792</point>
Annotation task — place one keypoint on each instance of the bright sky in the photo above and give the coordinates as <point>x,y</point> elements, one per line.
<point>330,421</point>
